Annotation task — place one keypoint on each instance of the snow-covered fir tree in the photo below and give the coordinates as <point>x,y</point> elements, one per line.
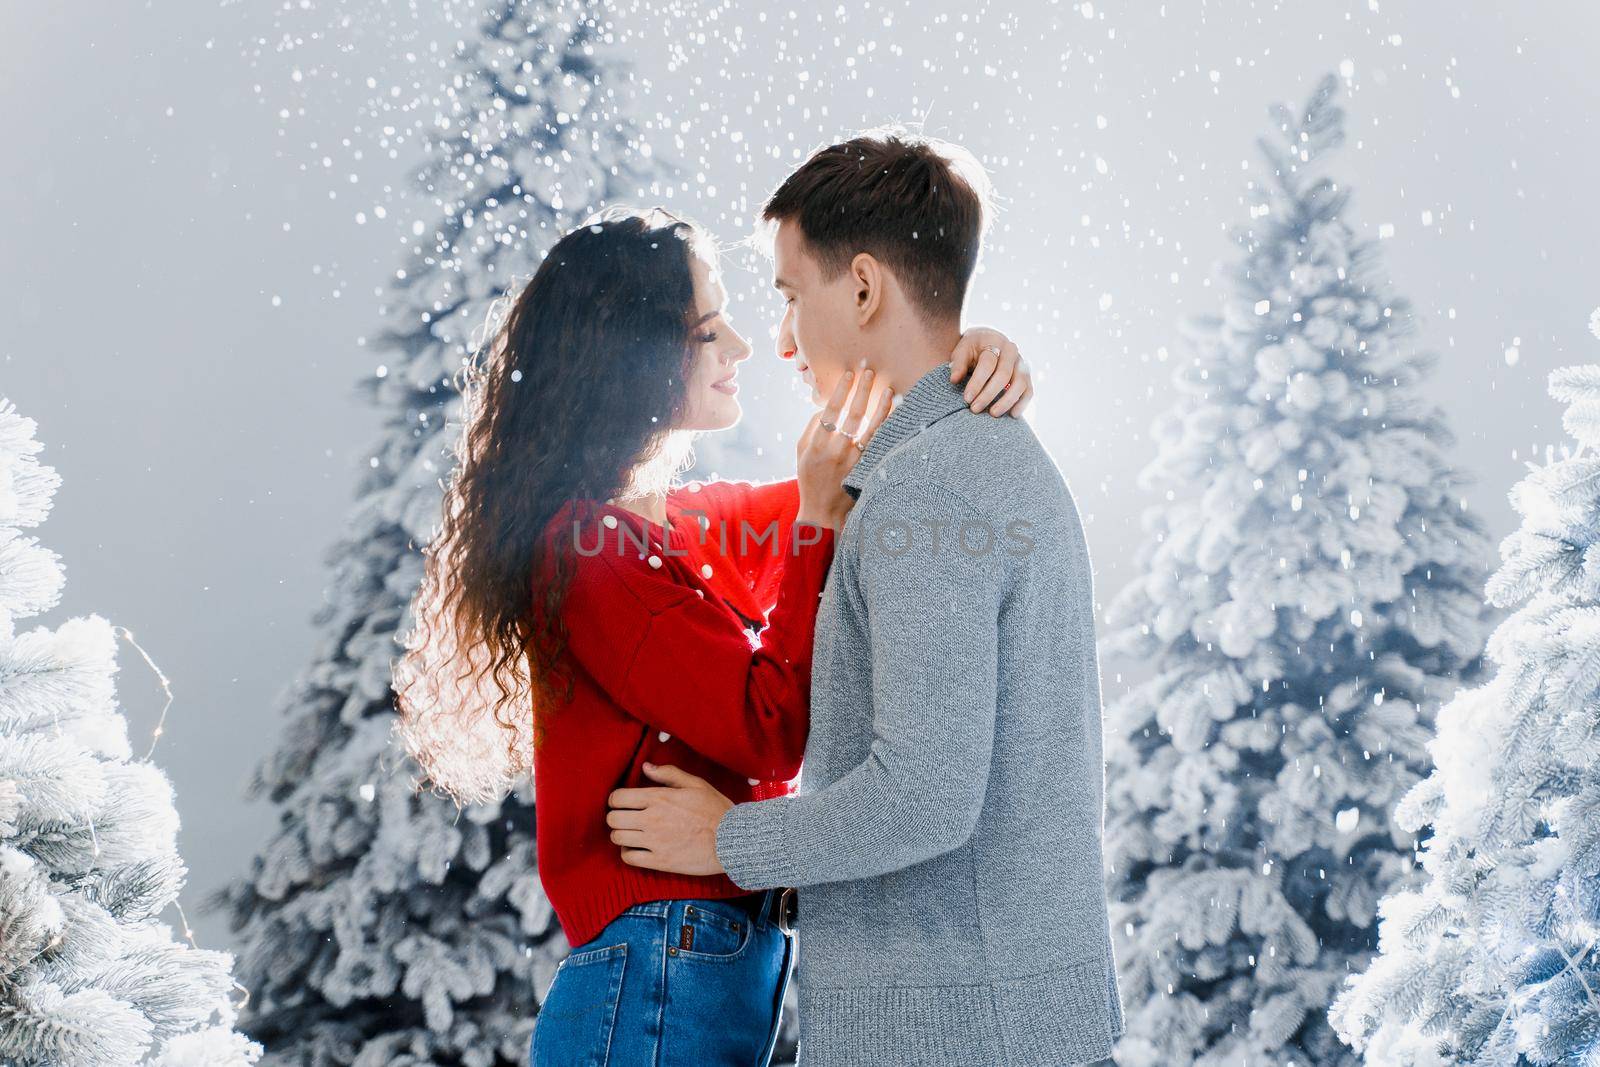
<point>383,926</point>
<point>1495,960</point>
<point>1308,594</point>
<point>90,974</point>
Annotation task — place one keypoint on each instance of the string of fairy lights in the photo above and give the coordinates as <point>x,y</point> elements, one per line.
<point>155,737</point>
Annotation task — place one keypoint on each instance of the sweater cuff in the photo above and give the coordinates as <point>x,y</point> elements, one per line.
<point>752,844</point>
<point>805,570</point>
<point>809,539</point>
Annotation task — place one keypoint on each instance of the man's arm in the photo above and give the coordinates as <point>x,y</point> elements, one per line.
<point>933,625</point>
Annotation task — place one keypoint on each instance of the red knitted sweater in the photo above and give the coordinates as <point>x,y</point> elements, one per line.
<point>667,667</point>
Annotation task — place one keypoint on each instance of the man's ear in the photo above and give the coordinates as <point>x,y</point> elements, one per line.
<point>868,279</point>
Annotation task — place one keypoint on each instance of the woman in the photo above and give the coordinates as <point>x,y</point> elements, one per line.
<point>577,573</point>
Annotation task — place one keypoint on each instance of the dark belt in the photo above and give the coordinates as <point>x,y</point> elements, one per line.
<point>778,906</point>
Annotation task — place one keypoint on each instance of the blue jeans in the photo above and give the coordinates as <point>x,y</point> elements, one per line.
<point>668,983</point>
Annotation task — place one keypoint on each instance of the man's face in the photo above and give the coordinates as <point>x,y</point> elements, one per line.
<point>819,329</point>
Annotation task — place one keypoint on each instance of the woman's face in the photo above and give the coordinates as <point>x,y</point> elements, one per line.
<point>715,352</point>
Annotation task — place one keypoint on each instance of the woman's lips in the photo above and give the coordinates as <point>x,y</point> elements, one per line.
<point>726,385</point>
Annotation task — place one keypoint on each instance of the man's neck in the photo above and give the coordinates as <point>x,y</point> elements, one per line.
<point>913,351</point>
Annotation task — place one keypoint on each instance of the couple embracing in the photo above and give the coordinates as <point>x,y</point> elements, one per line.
<point>846,724</point>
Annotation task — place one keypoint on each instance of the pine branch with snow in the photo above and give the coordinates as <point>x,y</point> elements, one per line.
<point>89,973</point>
<point>1307,597</point>
<point>1495,959</point>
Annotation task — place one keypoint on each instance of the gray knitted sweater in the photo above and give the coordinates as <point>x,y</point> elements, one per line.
<point>946,836</point>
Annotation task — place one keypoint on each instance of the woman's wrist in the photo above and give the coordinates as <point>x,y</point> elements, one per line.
<point>817,518</point>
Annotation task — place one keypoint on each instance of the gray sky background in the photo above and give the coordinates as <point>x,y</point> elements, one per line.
<point>187,279</point>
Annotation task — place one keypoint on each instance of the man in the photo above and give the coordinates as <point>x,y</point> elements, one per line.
<point>946,836</point>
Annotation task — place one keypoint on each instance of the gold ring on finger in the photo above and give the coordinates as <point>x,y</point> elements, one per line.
<point>830,427</point>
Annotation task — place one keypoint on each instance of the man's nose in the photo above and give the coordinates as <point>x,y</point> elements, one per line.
<point>787,348</point>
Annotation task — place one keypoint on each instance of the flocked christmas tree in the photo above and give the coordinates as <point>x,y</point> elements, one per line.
<point>1307,596</point>
<point>383,926</point>
<point>1495,960</point>
<point>90,974</point>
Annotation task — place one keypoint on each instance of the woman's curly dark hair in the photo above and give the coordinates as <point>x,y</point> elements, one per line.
<point>577,396</point>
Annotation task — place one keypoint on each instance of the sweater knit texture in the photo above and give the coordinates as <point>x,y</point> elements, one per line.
<point>690,644</point>
<point>945,838</point>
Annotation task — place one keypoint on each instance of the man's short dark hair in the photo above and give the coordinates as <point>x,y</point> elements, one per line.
<point>916,204</point>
